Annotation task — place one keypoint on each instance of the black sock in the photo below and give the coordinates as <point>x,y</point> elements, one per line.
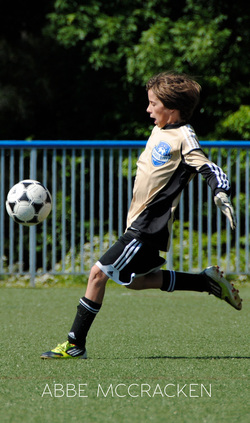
<point>178,281</point>
<point>86,312</point>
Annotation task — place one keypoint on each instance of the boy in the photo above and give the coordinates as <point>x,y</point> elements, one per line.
<point>170,160</point>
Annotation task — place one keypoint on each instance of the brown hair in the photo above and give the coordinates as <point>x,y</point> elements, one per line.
<point>176,91</point>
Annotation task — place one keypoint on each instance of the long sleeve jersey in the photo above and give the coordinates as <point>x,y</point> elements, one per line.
<point>172,157</point>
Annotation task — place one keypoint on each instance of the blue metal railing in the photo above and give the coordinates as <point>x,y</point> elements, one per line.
<point>109,144</point>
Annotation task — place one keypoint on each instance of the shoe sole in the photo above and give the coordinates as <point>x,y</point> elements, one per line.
<point>227,291</point>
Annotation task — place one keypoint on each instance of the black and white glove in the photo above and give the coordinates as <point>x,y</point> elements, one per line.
<point>223,202</point>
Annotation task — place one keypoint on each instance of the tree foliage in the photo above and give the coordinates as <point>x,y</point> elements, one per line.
<point>77,69</point>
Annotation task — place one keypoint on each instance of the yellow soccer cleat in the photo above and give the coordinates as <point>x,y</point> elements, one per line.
<point>65,350</point>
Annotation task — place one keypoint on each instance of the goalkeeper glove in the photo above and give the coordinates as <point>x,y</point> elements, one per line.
<point>222,201</point>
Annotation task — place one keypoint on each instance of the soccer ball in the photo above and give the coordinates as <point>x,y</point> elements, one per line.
<point>28,202</point>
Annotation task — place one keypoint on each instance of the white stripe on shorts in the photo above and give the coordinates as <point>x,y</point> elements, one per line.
<point>128,253</point>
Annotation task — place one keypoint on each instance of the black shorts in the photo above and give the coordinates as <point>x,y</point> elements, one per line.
<point>129,258</point>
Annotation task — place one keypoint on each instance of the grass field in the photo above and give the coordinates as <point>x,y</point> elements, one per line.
<point>153,357</point>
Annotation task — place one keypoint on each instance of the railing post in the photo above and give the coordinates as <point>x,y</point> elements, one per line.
<point>32,229</point>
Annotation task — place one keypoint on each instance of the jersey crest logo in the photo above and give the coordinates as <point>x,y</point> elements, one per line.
<point>161,154</point>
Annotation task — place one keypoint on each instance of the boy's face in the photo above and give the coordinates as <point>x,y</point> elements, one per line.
<point>159,112</point>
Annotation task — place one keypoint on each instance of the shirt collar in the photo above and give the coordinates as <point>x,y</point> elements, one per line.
<point>173,125</point>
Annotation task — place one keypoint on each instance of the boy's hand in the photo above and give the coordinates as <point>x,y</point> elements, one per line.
<point>222,201</point>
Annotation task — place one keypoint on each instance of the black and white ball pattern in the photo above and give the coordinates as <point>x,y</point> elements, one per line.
<point>28,202</point>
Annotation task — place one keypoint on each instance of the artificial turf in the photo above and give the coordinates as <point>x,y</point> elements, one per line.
<point>152,357</point>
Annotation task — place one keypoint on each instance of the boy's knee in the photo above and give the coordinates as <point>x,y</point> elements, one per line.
<point>97,276</point>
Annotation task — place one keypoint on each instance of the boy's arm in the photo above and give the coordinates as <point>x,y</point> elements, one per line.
<point>216,179</point>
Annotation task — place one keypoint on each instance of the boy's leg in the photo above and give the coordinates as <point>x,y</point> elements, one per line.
<point>121,253</point>
<point>211,280</point>
<point>169,280</point>
<point>96,285</point>
<point>88,307</point>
